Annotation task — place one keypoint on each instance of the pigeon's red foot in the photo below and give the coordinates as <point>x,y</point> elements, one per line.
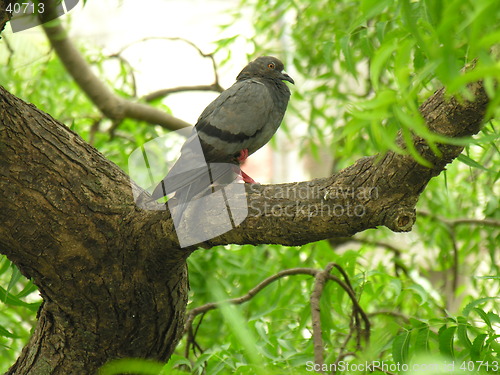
<point>241,158</point>
<point>246,178</point>
<point>243,155</point>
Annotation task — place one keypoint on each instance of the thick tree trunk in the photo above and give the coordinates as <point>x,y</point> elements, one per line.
<point>113,285</point>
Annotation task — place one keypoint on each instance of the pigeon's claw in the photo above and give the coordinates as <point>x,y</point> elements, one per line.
<point>247,179</point>
<point>240,159</point>
<point>243,156</point>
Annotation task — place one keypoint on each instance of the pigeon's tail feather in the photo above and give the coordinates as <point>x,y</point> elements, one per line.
<point>174,182</point>
<point>194,184</point>
<point>212,174</point>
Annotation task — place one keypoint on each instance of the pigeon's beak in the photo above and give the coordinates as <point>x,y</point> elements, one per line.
<point>286,77</point>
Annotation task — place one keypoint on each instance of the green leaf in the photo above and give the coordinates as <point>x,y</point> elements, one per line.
<point>16,275</point>
<point>493,318</point>
<point>477,347</point>
<point>483,315</point>
<point>379,62</point>
<point>133,366</point>
<point>395,284</point>
<point>371,8</point>
<point>424,296</point>
<point>347,52</point>
<point>15,301</point>
<point>445,340</point>
<point>422,339</point>
<point>400,347</point>
<point>27,290</point>
<point>410,146</point>
<point>462,332</point>
<point>467,309</point>
<point>471,163</point>
<point>5,264</point>
<point>6,333</point>
<point>417,323</point>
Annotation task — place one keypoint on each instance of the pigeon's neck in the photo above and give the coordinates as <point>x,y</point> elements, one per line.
<point>280,91</point>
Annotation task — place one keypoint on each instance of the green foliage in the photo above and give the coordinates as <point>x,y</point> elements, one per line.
<point>366,66</point>
<point>136,366</point>
<point>468,344</point>
<point>18,305</point>
<point>362,68</point>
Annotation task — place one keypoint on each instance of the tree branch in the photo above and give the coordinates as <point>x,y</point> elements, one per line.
<point>321,278</point>
<point>69,222</point>
<point>319,284</point>
<point>462,221</point>
<point>249,295</point>
<point>113,276</point>
<point>377,190</point>
<point>164,92</point>
<point>451,229</point>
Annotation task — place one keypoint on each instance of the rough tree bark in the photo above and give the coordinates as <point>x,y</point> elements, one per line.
<point>113,277</point>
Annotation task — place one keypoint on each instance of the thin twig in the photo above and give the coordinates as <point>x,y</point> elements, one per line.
<point>354,300</point>
<point>398,265</point>
<point>455,265</point>
<point>131,69</point>
<point>319,285</point>
<point>451,224</point>
<point>343,355</point>
<point>215,86</point>
<point>9,48</point>
<point>462,221</point>
<point>395,314</point>
<point>165,92</point>
<point>321,278</point>
<point>251,293</point>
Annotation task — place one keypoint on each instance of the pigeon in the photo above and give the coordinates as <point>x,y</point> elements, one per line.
<point>235,125</point>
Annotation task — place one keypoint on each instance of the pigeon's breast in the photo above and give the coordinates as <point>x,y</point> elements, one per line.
<point>245,116</point>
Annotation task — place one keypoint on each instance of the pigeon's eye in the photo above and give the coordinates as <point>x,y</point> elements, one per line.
<point>270,65</point>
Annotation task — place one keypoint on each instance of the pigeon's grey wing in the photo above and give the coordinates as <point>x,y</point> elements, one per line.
<point>189,167</point>
<point>242,117</point>
<point>192,173</point>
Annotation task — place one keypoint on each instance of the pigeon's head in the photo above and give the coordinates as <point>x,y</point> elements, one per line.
<point>265,67</point>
